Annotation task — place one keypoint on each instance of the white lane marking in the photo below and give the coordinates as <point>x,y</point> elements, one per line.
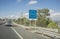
<point>17,33</point>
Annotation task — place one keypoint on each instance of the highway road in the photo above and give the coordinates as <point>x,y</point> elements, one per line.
<point>7,33</point>
<point>17,32</point>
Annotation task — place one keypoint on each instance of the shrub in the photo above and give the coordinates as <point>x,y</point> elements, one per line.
<point>52,25</point>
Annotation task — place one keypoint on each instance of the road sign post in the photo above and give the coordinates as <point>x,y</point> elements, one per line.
<point>33,16</point>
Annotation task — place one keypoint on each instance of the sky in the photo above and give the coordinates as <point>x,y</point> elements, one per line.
<point>16,7</point>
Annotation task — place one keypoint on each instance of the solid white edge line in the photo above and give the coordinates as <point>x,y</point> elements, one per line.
<point>17,33</point>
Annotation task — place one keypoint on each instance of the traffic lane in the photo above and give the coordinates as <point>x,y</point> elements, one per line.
<point>28,35</point>
<point>7,33</point>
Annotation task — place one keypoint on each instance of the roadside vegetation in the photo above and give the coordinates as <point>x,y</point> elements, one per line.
<point>42,20</point>
<point>2,19</point>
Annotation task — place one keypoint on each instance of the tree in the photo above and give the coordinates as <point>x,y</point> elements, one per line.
<point>39,17</point>
<point>42,21</point>
<point>45,11</point>
<point>0,19</point>
<point>18,20</point>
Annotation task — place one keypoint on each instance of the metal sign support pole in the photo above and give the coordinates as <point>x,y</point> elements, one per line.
<point>35,25</point>
<point>24,21</point>
<point>30,23</point>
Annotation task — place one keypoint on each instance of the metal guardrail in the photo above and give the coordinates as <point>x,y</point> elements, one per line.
<point>45,31</point>
<point>48,33</point>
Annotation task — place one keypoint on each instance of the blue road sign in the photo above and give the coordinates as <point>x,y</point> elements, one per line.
<point>33,14</point>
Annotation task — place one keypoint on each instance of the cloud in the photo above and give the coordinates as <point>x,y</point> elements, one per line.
<point>51,11</point>
<point>26,15</point>
<point>55,16</point>
<point>12,16</point>
<point>32,2</point>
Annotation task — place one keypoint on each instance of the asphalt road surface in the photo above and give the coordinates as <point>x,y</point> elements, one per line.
<point>17,32</point>
<point>7,33</point>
